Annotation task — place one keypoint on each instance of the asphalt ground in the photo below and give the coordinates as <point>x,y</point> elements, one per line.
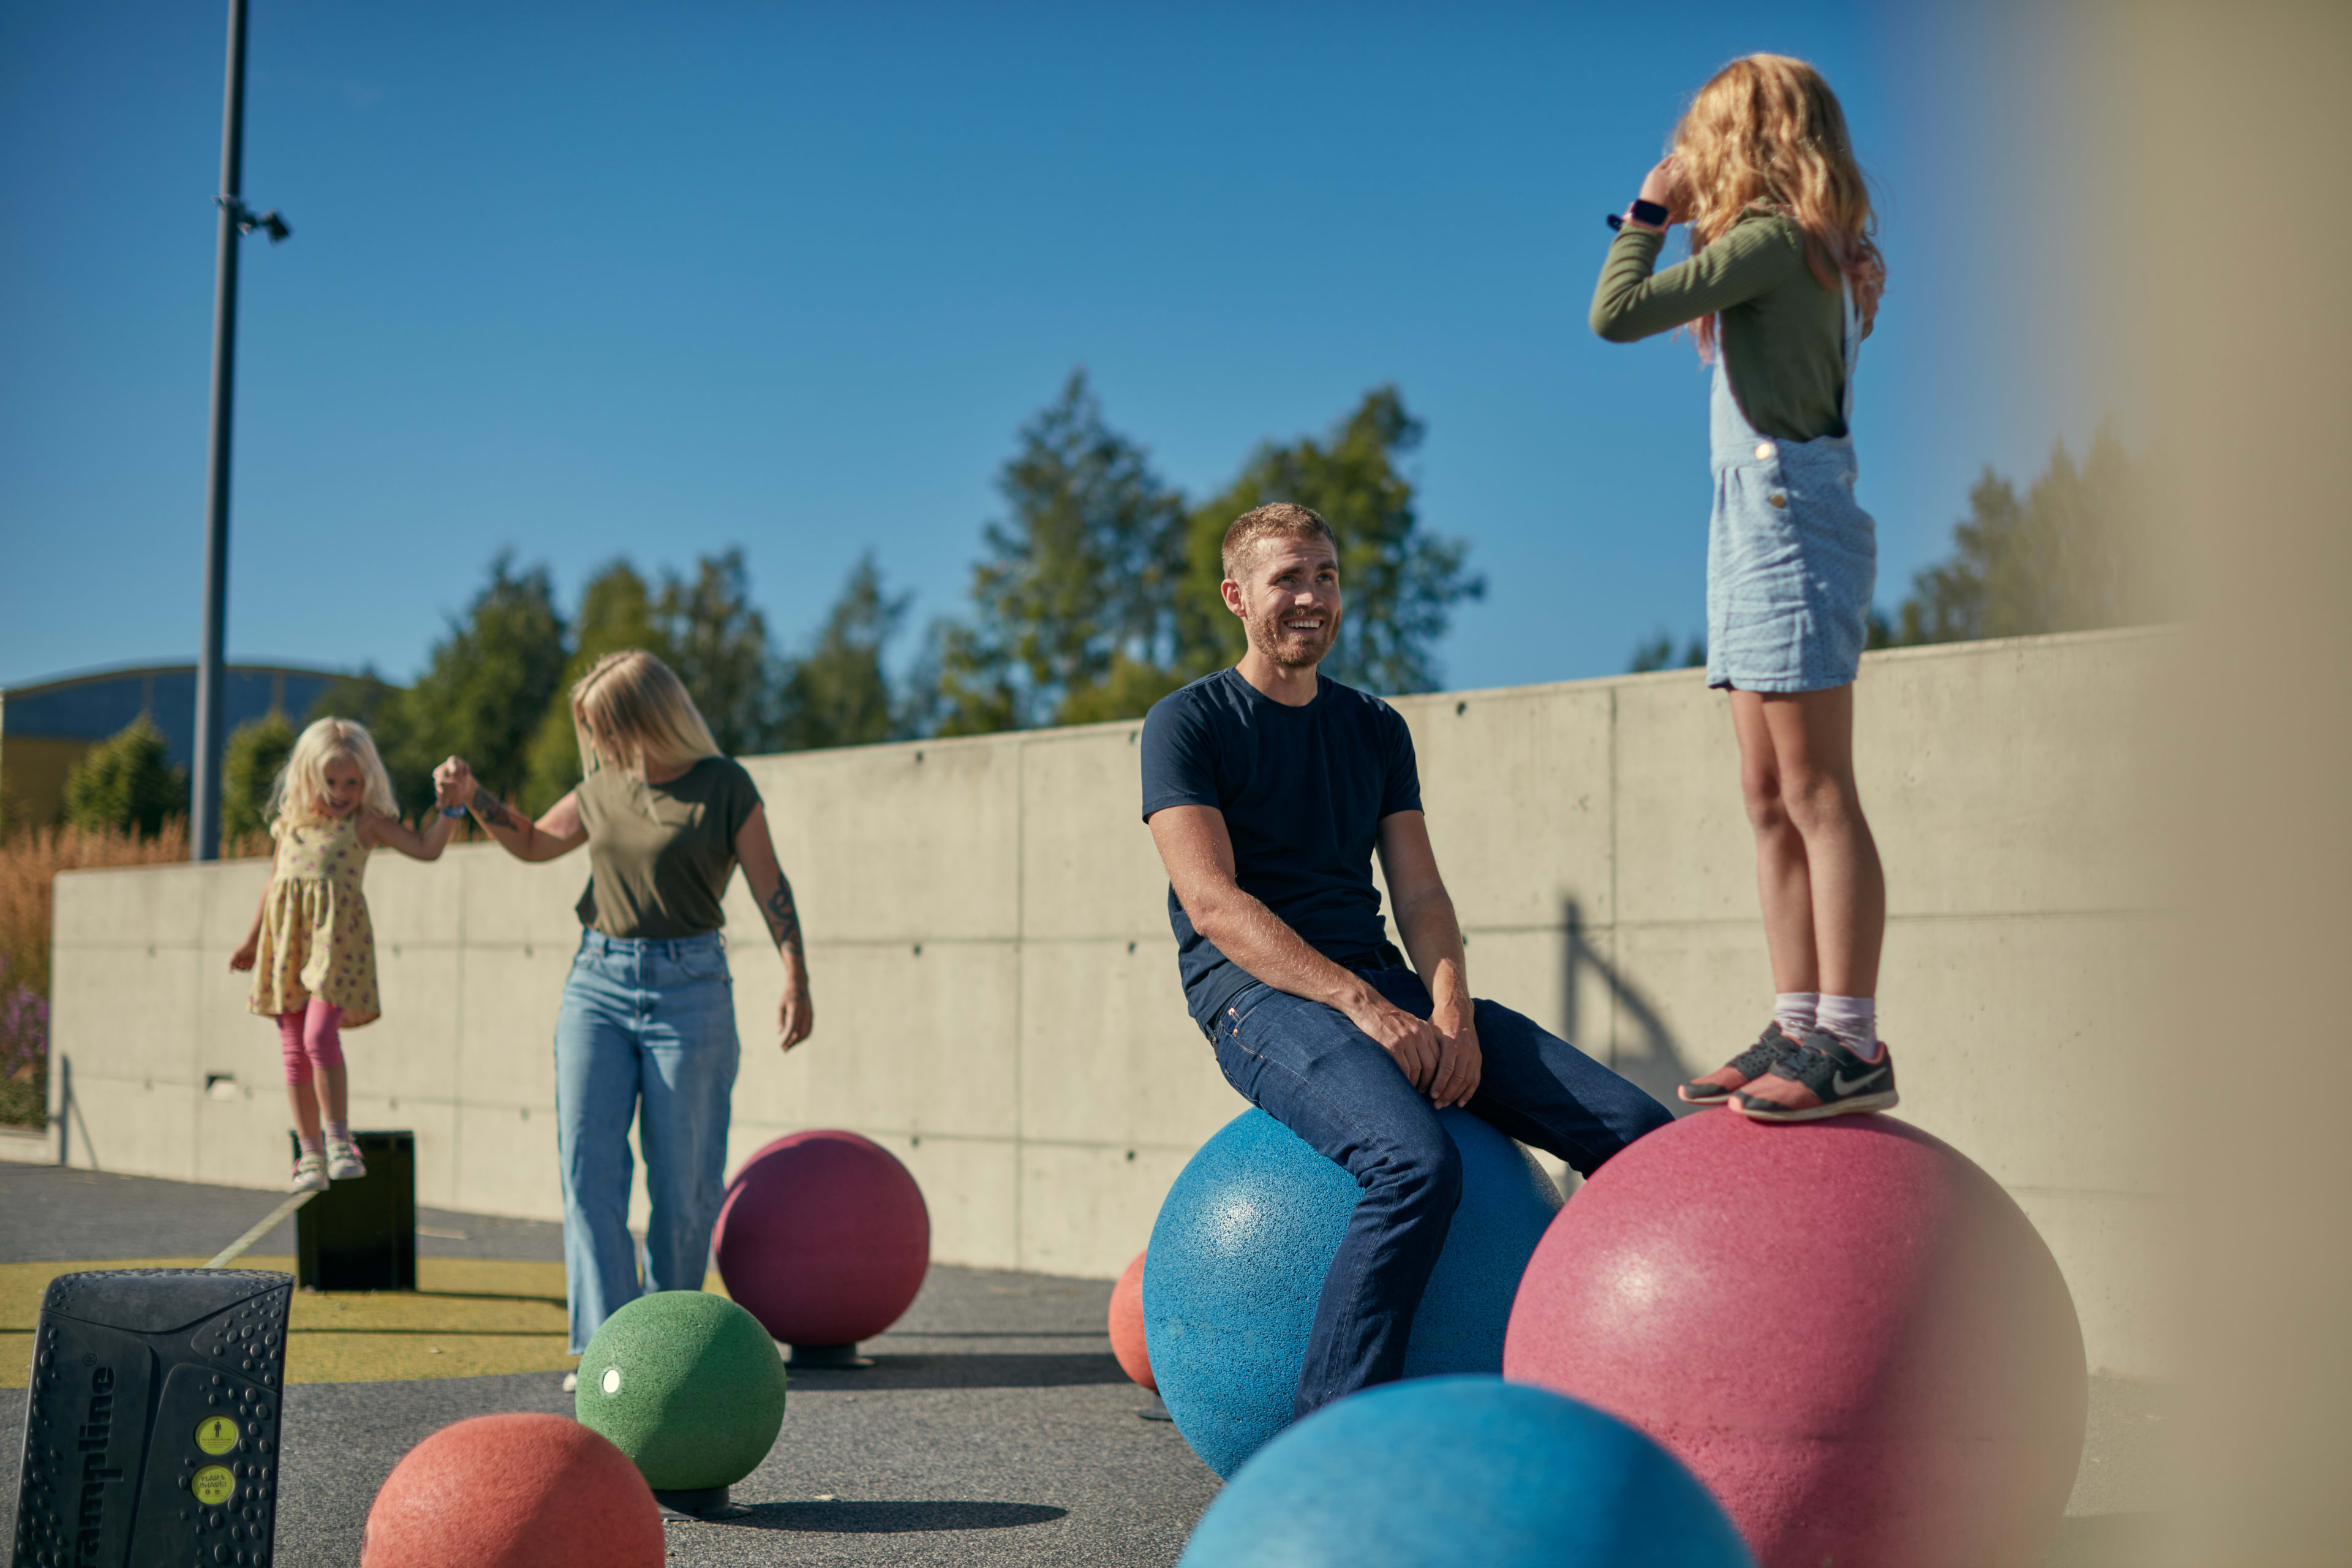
<point>995,1428</point>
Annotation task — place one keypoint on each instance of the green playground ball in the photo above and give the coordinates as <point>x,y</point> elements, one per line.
<point>688,1385</point>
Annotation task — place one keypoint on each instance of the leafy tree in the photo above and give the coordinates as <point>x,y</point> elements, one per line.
<point>2064,556</point>
<point>709,633</point>
<point>837,693</point>
<point>616,612</point>
<point>969,685</point>
<point>1401,584</point>
<point>1099,593</point>
<point>1079,574</point>
<point>1658,653</point>
<point>126,784</point>
<point>486,689</point>
<point>255,755</point>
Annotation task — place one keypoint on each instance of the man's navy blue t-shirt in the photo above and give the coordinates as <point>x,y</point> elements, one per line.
<point>1303,791</point>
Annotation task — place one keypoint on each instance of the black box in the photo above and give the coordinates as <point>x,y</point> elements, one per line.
<point>152,1422</point>
<point>361,1235</point>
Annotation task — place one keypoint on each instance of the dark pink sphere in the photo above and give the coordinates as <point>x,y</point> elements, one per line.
<point>823,1237</point>
<point>1850,1332</point>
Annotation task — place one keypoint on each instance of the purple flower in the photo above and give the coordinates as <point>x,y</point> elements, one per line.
<point>24,1029</point>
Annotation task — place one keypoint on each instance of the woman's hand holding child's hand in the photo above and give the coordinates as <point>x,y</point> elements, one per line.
<point>453,783</point>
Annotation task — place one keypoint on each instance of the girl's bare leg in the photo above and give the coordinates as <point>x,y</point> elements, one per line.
<point>304,1103</point>
<point>333,1096</point>
<point>1811,739</point>
<point>1784,881</point>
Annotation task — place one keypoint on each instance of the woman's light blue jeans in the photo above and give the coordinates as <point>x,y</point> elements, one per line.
<point>647,1031</point>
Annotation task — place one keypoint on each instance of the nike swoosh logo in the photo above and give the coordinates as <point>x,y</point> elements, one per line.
<point>1847,1086</point>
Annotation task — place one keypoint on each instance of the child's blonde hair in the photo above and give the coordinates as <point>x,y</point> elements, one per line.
<point>631,708</point>
<point>302,783</point>
<point>1767,130</point>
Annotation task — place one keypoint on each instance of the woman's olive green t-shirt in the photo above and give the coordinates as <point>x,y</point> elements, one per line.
<point>1783,339</point>
<point>659,855</point>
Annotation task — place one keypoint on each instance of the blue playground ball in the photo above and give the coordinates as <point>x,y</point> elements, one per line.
<point>1450,1470</point>
<point>1240,1250</point>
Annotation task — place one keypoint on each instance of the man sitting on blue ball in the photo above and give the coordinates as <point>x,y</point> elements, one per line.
<point>1268,786</point>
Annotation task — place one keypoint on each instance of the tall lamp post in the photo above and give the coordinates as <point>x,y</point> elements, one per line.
<point>235,221</point>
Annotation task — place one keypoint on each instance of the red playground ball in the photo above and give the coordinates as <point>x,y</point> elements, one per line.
<point>521,1490</point>
<point>1126,1325</point>
<point>1845,1328</point>
<point>823,1237</point>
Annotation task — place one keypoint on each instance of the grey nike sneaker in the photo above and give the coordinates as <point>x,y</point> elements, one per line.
<point>1821,1079</point>
<point>1772,1046</point>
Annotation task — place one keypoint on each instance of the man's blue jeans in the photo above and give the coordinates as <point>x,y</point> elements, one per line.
<point>648,1032</point>
<point>1308,1068</point>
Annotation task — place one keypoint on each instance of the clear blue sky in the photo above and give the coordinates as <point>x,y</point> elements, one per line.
<point>590,279</point>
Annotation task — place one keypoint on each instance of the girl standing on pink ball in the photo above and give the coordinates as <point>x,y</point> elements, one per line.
<point>1782,284</point>
<point>312,950</point>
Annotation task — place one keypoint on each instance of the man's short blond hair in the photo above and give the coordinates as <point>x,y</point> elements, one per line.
<point>1275,519</point>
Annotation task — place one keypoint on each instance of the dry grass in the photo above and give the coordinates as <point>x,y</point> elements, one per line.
<point>29,863</point>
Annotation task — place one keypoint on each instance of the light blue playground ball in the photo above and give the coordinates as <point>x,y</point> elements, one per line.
<point>1240,1250</point>
<point>1451,1470</point>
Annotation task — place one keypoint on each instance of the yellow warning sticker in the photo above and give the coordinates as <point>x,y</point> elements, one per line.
<point>217,1434</point>
<point>213,1484</point>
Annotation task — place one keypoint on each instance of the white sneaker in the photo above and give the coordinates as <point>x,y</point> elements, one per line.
<point>310,1175</point>
<point>570,1382</point>
<point>343,1161</point>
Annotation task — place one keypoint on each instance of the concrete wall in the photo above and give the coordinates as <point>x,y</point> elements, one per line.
<point>995,986</point>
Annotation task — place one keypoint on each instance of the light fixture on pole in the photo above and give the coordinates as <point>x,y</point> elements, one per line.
<point>236,219</point>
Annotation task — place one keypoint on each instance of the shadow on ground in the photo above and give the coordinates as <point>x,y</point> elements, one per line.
<point>895,1518</point>
<point>978,1370</point>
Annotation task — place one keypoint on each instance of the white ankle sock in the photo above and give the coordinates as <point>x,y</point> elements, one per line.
<point>1854,1021</point>
<point>312,1145</point>
<point>342,1130</point>
<point>1794,1011</point>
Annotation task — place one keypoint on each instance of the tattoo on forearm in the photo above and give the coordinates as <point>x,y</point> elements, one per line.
<point>487,808</point>
<point>783,919</point>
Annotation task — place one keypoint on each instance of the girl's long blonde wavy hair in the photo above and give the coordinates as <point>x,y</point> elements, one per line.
<point>631,708</point>
<point>1766,130</point>
<point>301,783</point>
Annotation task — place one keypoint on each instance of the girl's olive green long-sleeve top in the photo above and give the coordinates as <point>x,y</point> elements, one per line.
<point>1783,339</point>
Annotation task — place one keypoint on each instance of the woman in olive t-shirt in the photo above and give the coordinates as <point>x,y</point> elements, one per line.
<point>647,1027</point>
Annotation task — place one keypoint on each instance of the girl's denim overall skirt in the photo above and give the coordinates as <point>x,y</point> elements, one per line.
<point>1791,558</point>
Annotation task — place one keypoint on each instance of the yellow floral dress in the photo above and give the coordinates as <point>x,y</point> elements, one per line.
<point>315,936</point>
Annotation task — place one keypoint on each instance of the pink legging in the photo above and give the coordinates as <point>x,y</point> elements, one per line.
<point>310,1038</point>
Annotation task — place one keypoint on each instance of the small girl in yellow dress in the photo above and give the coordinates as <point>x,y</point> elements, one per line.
<point>311,949</point>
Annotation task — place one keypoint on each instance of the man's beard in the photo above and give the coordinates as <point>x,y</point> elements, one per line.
<point>1274,640</point>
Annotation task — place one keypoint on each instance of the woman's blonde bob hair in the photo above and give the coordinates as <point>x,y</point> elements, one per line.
<point>1766,131</point>
<point>300,794</point>
<point>631,709</point>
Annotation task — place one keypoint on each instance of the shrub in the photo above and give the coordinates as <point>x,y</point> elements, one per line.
<point>127,784</point>
<point>255,756</point>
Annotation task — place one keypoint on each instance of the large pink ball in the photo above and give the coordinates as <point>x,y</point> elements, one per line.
<point>520,1491</point>
<point>823,1237</point>
<point>1847,1329</point>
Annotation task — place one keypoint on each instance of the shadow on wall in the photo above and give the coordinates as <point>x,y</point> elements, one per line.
<point>1649,1059</point>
